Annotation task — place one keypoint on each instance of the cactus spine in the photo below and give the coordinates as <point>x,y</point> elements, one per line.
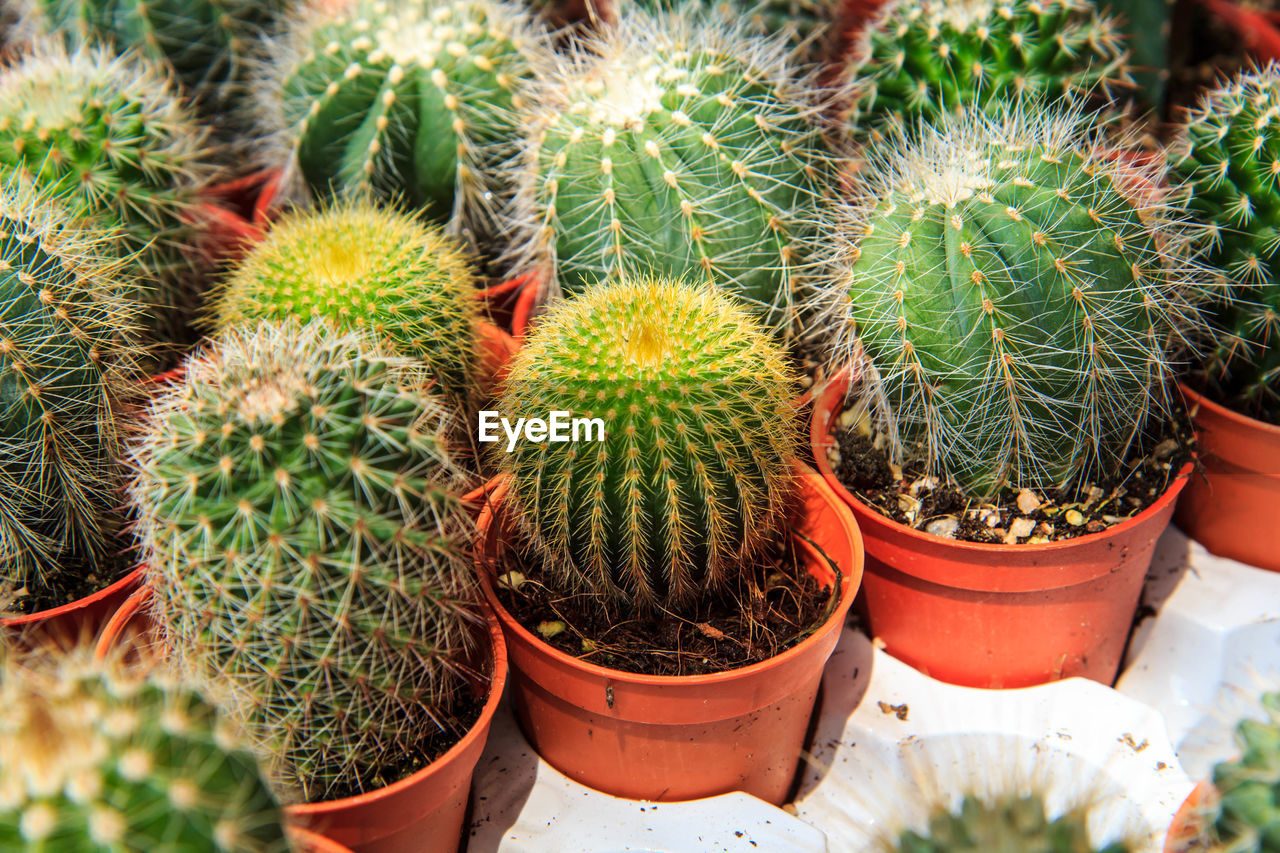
<point>303,528</point>
<point>693,474</point>
<point>1249,812</point>
<point>1009,825</point>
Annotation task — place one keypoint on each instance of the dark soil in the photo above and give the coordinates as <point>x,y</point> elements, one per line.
<point>73,580</point>
<point>775,605</point>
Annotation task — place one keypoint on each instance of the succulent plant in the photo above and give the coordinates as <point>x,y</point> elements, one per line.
<point>110,139</point>
<point>409,100</point>
<point>801,23</point>
<point>676,144</point>
<point>94,759</point>
<point>362,267</point>
<point>1009,825</point>
<point>1019,289</point>
<point>690,475</point>
<point>927,58</point>
<point>1146,27</point>
<point>302,525</point>
<point>1248,818</point>
<point>1229,153</point>
<point>68,355</point>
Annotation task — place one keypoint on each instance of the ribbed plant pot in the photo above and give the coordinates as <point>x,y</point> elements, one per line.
<point>991,615</point>
<point>1233,508</point>
<point>670,738</point>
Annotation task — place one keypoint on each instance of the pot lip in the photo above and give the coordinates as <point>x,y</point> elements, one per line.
<point>827,400</point>
<point>309,841</point>
<point>852,581</point>
<point>132,579</point>
<point>1218,410</point>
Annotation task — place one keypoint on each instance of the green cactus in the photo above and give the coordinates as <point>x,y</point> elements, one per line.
<point>802,24</point>
<point>677,145</point>
<point>92,759</point>
<point>302,524</point>
<point>1248,818</point>
<point>109,138</point>
<point>1146,26</point>
<point>693,475</point>
<point>1018,291</point>
<point>926,58</point>
<point>1229,153</point>
<point>1009,825</point>
<point>361,267</point>
<point>410,100</point>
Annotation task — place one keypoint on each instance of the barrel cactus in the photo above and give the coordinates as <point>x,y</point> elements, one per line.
<point>1229,152</point>
<point>1017,824</point>
<point>689,472</point>
<point>1019,292</point>
<point>362,267</point>
<point>302,524</point>
<point>675,144</point>
<point>1248,817</point>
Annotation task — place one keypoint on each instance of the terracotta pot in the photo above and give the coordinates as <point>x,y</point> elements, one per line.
<point>990,615</point>
<point>1187,831</point>
<point>678,737</point>
<point>80,619</point>
<point>1258,31</point>
<point>129,626</point>
<point>309,842</point>
<point>1232,509</point>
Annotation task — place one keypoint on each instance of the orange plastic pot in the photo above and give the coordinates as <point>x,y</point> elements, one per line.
<point>1232,509</point>
<point>989,615</point>
<point>678,737</point>
<point>1187,831</point>
<point>309,842</point>
<point>79,620</point>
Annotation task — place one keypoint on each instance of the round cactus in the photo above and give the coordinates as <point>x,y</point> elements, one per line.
<point>410,100</point>
<point>675,145</point>
<point>108,137</point>
<point>1018,291</point>
<point>1009,825</point>
<point>924,58</point>
<point>1249,812</point>
<point>691,473</point>
<point>361,267</point>
<point>302,524</point>
<point>95,760</point>
<point>1229,153</point>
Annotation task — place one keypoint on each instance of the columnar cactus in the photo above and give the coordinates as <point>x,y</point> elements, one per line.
<point>924,58</point>
<point>302,524</point>
<point>92,759</point>
<point>108,136</point>
<point>1229,153</point>
<point>1249,815</point>
<point>691,474</point>
<point>1018,291</point>
<point>361,267</point>
<point>1009,825</point>
<point>410,100</point>
<point>68,354</point>
<point>678,145</point>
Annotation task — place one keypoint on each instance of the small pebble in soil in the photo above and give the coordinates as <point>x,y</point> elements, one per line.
<point>945,526</point>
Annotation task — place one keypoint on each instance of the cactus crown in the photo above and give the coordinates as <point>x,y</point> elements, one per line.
<point>693,475</point>
<point>302,522</point>
<point>1009,825</point>
<point>1250,785</point>
<point>361,267</point>
<point>675,144</point>
<point>1018,289</point>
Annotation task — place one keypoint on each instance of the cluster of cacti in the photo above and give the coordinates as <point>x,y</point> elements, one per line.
<point>927,58</point>
<point>1229,153</point>
<point>1018,291</point>
<point>67,358</point>
<point>362,267</point>
<point>1248,817</point>
<point>410,100</point>
<point>674,144</point>
<point>111,140</point>
<point>302,526</point>
<point>1017,824</point>
<point>93,759</point>
<point>690,475</point>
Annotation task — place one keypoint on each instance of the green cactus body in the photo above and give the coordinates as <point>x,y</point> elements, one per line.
<point>925,58</point>
<point>800,23</point>
<point>676,146</point>
<point>693,475</point>
<point>91,760</point>
<point>109,138</point>
<point>1249,816</point>
<point>302,523</point>
<point>361,267</point>
<point>1017,293</point>
<point>410,100</point>
<point>1010,825</point>
<point>1229,154</point>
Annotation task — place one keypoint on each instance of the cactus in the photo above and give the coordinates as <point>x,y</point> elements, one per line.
<point>1146,26</point>
<point>802,24</point>
<point>677,145</point>
<point>68,354</point>
<point>362,267</point>
<point>410,100</point>
<point>92,759</point>
<point>1008,825</point>
<point>1248,817</point>
<point>693,475</point>
<point>301,520</point>
<point>1019,289</point>
<point>110,139</point>
<point>926,58</point>
<point>1229,153</point>
<point>17,28</point>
